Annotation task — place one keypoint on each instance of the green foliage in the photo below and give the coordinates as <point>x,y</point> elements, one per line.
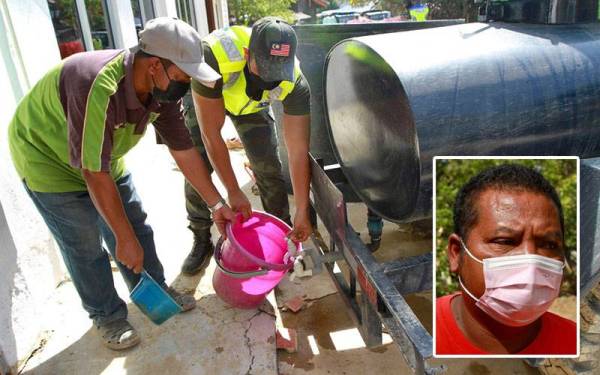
<point>331,5</point>
<point>451,175</point>
<point>438,9</point>
<point>246,12</point>
<point>95,15</point>
<point>67,11</point>
<point>452,9</point>
<point>396,7</point>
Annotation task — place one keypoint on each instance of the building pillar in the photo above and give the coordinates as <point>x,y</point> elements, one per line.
<point>165,8</point>
<point>122,22</point>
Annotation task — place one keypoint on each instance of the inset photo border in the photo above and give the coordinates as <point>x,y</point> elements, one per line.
<point>488,313</point>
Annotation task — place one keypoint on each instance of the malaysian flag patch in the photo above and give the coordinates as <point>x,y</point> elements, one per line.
<point>280,49</point>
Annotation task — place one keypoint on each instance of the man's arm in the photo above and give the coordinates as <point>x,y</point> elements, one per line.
<point>107,200</point>
<point>296,133</point>
<point>211,117</point>
<point>193,168</point>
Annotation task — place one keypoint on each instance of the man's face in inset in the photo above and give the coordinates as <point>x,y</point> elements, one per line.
<point>508,223</point>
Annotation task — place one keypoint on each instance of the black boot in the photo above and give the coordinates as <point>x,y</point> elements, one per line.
<point>200,254</point>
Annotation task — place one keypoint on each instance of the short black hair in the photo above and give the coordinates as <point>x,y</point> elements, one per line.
<point>502,177</point>
<point>144,55</point>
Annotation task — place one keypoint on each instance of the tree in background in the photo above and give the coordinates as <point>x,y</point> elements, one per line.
<point>451,175</point>
<point>438,9</point>
<point>396,7</point>
<point>95,13</point>
<point>333,4</point>
<point>453,9</point>
<point>246,12</point>
<point>66,11</point>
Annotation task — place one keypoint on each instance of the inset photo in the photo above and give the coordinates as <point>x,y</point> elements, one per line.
<point>506,257</point>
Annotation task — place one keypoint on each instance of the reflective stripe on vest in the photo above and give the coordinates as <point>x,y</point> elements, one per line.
<point>228,47</point>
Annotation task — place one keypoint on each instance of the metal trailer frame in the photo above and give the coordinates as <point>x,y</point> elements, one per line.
<point>374,293</point>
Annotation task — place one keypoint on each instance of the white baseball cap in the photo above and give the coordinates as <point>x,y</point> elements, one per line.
<point>180,43</point>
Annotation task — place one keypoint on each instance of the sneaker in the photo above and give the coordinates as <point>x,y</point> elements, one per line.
<point>119,335</point>
<point>199,256</point>
<point>186,301</point>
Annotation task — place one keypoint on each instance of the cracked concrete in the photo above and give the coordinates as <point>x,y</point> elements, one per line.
<point>45,336</point>
<point>249,343</point>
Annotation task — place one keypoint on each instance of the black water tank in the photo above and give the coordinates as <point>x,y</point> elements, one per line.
<point>395,101</point>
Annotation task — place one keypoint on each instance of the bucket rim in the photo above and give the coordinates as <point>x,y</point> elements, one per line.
<point>261,262</point>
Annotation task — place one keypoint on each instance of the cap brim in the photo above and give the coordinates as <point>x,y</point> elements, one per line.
<point>271,71</point>
<point>200,72</point>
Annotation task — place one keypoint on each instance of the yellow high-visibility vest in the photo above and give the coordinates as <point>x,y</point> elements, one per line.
<point>228,47</point>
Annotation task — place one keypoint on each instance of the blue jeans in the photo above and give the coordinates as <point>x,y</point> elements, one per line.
<point>79,230</point>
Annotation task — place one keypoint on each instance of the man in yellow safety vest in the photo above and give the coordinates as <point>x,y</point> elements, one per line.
<point>258,66</point>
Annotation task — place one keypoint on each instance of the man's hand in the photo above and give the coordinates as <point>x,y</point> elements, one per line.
<point>302,227</point>
<point>221,217</point>
<point>240,203</point>
<point>107,200</point>
<point>130,253</point>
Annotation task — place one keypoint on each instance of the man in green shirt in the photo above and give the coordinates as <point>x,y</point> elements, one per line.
<point>67,140</point>
<point>258,66</point>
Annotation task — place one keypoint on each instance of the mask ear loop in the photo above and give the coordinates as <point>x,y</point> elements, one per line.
<point>459,279</point>
<point>468,252</point>
<point>467,290</point>
<point>564,263</point>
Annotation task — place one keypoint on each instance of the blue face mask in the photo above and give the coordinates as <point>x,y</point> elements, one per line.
<point>175,90</point>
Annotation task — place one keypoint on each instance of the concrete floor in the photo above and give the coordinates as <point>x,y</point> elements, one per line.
<point>216,339</point>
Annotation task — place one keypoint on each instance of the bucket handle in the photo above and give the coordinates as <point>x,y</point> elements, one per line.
<point>236,275</point>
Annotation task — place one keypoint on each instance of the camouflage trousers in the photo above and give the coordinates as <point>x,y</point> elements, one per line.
<point>258,135</point>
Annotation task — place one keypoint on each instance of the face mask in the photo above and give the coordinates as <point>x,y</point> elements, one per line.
<point>518,288</point>
<point>175,90</point>
<point>257,82</point>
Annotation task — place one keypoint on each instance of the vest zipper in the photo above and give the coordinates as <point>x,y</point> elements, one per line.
<point>244,107</point>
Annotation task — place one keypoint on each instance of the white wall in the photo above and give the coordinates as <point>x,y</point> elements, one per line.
<point>221,13</point>
<point>201,17</point>
<point>123,25</point>
<point>165,8</point>
<point>29,264</point>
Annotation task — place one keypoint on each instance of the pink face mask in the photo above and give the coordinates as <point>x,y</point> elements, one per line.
<point>518,288</point>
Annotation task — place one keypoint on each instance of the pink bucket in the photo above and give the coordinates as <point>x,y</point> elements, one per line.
<point>250,261</point>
